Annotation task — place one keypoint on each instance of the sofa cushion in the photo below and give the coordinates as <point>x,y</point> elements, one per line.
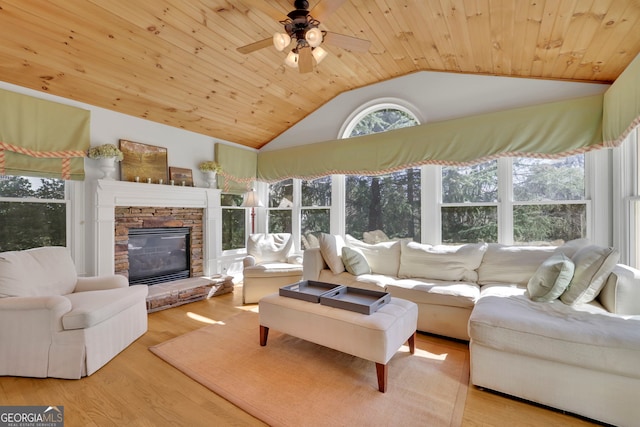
<point>551,279</point>
<point>511,264</point>
<point>586,335</point>
<point>354,261</point>
<point>331,249</point>
<point>423,291</point>
<point>269,247</point>
<point>37,272</point>
<point>383,257</point>
<point>273,269</point>
<point>93,307</point>
<point>593,266</point>
<point>441,262</point>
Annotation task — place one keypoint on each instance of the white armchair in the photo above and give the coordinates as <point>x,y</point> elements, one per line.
<point>56,324</point>
<point>269,264</point>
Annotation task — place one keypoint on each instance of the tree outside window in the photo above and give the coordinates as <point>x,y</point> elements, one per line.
<point>233,222</point>
<point>469,203</point>
<point>33,213</point>
<point>315,211</point>
<point>549,200</point>
<point>390,203</point>
<point>280,206</point>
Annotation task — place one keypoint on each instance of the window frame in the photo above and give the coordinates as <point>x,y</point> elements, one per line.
<point>67,201</point>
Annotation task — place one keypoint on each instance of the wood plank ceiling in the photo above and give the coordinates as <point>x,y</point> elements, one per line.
<point>175,61</point>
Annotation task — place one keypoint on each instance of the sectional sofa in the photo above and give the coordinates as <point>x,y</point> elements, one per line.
<point>559,326</point>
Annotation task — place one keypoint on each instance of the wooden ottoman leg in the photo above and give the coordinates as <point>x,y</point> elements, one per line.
<point>264,334</point>
<point>412,343</point>
<point>382,371</point>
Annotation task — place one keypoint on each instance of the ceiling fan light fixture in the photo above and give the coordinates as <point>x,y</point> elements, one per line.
<point>292,59</point>
<point>319,54</point>
<point>313,37</point>
<point>281,40</point>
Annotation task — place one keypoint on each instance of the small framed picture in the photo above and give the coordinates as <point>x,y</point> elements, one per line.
<point>181,176</point>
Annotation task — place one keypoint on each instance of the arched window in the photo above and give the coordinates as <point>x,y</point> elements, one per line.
<point>380,207</point>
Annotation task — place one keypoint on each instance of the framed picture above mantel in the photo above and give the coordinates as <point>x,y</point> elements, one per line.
<point>147,163</point>
<point>181,176</point>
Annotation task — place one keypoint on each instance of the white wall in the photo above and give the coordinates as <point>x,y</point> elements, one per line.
<point>433,96</point>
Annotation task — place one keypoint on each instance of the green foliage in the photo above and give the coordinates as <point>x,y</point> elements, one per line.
<point>383,120</point>
<point>469,224</point>
<point>28,224</point>
<point>390,203</point>
<point>233,222</point>
<point>475,183</point>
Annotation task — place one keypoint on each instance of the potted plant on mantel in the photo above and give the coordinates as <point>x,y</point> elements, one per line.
<point>107,155</point>
<point>210,169</point>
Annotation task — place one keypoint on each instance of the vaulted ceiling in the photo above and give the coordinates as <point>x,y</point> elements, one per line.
<point>176,61</point>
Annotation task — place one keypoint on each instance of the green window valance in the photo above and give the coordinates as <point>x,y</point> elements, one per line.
<point>622,105</point>
<point>42,138</point>
<point>547,130</point>
<point>238,168</point>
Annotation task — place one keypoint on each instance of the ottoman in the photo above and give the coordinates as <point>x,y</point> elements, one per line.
<point>375,337</point>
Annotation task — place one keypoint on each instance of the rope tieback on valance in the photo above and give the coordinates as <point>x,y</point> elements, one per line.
<point>64,156</point>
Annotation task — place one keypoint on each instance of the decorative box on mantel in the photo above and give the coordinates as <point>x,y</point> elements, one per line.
<point>112,194</point>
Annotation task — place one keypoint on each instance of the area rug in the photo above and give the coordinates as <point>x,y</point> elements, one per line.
<point>292,382</point>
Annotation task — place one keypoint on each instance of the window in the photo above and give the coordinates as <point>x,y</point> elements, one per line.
<point>549,200</point>
<point>315,211</point>
<point>233,222</point>
<point>469,211</point>
<point>390,203</point>
<point>280,207</point>
<point>33,213</point>
<point>532,201</point>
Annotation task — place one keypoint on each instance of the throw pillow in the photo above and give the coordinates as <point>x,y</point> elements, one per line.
<point>383,257</point>
<point>331,250</point>
<point>551,279</point>
<point>355,261</point>
<point>269,247</point>
<point>593,264</point>
<point>441,262</point>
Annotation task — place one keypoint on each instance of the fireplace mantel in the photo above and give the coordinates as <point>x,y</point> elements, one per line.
<point>109,194</point>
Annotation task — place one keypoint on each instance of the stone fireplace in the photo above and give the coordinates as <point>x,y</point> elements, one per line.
<point>123,206</point>
<point>129,221</point>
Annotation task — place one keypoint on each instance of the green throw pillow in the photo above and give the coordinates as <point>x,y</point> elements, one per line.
<point>551,279</point>
<point>593,266</point>
<point>354,261</point>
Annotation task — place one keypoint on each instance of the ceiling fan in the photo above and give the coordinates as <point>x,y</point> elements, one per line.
<point>301,32</point>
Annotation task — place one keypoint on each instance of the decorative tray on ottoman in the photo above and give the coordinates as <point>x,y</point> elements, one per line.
<point>308,290</point>
<point>355,299</point>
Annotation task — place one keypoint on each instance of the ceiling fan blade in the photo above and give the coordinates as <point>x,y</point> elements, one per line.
<point>353,44</point>
<point>256,46</point>
<point>324,8</point>
<point>305,60</point>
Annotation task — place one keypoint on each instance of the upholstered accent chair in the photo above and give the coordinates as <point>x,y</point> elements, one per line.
<point>56,324</point>
<point>269,264</point>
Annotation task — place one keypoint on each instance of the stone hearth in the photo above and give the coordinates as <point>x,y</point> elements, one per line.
<point>173,294</point>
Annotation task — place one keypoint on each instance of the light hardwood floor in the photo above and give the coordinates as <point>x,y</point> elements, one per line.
<point>137,388</point>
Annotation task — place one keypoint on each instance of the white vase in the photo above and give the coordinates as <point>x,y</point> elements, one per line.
<point>211,179</point>
<point>108,166</point>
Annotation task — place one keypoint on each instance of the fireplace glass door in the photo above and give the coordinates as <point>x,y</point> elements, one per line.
<point>158,255</point>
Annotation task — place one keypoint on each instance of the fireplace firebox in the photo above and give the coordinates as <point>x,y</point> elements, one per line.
<point>158,255</point>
